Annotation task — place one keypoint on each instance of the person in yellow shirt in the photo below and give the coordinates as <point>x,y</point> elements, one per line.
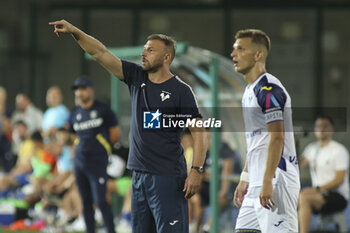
<point>18,176</point>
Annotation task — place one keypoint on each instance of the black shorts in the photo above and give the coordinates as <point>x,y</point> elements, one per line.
<point>335,202</point>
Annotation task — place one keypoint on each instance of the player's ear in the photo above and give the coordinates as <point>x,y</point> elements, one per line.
<point>259,55</point>
<point>167,58</point>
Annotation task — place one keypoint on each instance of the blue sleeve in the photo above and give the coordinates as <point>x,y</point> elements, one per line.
<point>110,118</point>
<point>272,99</point>
<point>188,103</point>
<point>131,72</point>
<point>63,117</point>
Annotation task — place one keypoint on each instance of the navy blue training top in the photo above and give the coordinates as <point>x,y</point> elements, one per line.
<point>225,152</point>
<point>157,151</point>
<point>92,128</point>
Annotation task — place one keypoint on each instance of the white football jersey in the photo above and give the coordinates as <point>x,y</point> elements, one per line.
<point>264,102</point>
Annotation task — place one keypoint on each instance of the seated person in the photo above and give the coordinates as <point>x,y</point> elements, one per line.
<point>30,148</point>
<point>64,163</point>
<point>52,169</point>
<point>329,167</point>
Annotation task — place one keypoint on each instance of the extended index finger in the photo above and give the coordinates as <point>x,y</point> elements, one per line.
<point>54,23</point>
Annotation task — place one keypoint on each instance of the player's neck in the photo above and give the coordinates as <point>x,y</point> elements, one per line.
<point>255,73</point>
<point>160,76</point>
<point>324,143</point>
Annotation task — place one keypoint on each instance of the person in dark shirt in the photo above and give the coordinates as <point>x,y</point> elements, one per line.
<point>96,127</point>
<point>160,184</point>
<point>229,163</point>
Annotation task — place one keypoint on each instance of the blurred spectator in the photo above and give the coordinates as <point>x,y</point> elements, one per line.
<point>20,134</point>
<point>119,184</point>
<point>187,145</point>
<point>53,189</point>
<point>44,163</point>
<point>28,113</point>
<point>329,167</point>
<point>29,148</point>
<point>44,168</point>
<point>57,114</point>
<point>7,159</point>
<point>64,163</point>
<point>229,163</point>
<point>22,147</point>
<point>96,127</point>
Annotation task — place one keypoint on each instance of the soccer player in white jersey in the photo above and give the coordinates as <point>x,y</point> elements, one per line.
<point>268,191</point>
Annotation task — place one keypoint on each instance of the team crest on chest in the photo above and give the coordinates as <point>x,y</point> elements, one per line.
<point>165,95</point>
<point>93,114</point>
<point>250,97</point>
<point>78,116</point>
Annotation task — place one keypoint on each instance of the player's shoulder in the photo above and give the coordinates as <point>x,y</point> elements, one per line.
<point>268,83</point>
<point>181,86</point>
<point>129,64</point>
<point>270,93</point>
<point>100,104</point>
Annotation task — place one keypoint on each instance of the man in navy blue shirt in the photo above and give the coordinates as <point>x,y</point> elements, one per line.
<point>96,127</point>
<point>160,182</point>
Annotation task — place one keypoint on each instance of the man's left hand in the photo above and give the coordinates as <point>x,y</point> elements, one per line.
<point>192,183</point>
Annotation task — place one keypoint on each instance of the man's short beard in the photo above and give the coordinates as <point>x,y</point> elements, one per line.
<point>155,67</point>
<point>86,100</point>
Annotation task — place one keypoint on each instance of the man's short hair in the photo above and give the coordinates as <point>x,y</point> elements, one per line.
<point>20,122</point>
<point>329,118</point>
<point>36,136</point>
<point>169,42</point>
<point>258,37</point>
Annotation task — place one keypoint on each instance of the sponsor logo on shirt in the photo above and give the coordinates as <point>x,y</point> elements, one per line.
<point>90,124</point>
<point>266,88</point>
<point>254,133</point>
<point>93,114</point>
<point>278,224</point>
<point>173,222</point>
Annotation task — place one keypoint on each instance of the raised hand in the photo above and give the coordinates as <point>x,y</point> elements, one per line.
<point>62,26</point>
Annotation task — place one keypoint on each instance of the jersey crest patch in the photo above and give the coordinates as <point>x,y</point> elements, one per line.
<point>165,95</point>
<point>93,114</point>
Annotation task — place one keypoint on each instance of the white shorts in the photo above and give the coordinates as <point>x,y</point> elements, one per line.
<point>283,218</point>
